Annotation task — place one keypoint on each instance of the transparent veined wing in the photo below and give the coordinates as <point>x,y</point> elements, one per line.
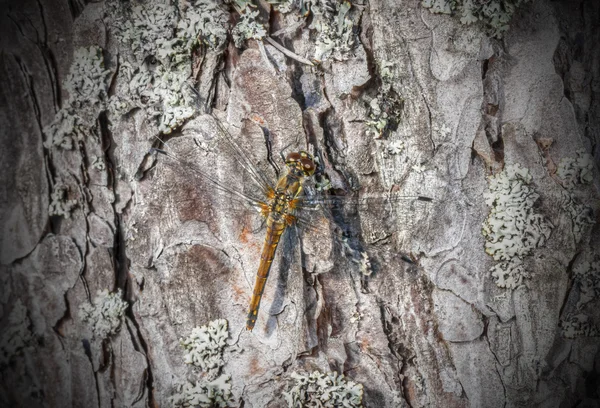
<point>357,201</point>
<point>367,217</point>
<point>210,137</point>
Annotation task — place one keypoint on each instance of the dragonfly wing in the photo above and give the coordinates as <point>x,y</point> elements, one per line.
<point>318,212</point>
<point>208,134</point>
<point>194,172</point>
<point>358,202</point>
<point>215,134</point>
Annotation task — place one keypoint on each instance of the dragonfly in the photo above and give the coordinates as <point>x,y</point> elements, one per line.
<point>282,204</point>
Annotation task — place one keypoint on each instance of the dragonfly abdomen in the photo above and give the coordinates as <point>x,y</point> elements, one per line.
<point>274,231</point>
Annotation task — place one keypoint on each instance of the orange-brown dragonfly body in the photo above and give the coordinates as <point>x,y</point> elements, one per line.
<point>282,205</point>
<point>279,212</point>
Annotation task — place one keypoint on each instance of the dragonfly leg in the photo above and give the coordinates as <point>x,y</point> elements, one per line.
<point>267,134</point>
<point>283,149</point>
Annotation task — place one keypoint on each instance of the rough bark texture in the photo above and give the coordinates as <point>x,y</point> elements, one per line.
<point>437,331</point>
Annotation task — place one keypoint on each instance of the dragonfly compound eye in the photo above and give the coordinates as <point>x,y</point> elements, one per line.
<point>305,155</point>
<point>308,166</point>
<point>292,157</point>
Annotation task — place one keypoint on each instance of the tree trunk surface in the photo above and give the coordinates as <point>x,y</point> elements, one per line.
<point>113,253</point>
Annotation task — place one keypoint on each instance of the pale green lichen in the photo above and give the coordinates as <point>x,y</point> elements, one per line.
<point>16,335</point>
<point>204,349</point>
<point>105,314</point>
<point>204,346</point>
<point>59,205</point>
<point>247,27</point>
<point>387,74</point>
<point>335,30</point>
<point>205,394</point>
<point>160,40</point>
<point>396,147</point>
<point>578,325</point>
<point>364,264</point>
<point>384,114</point>
<point>323,183</point>
<point>357,256</point>
<point>201,22</point>
<point>67,128</point>
<point>356,317</point>
<point>323,390</point>
<point>141,27</point>
<point>442,129</point>
<point>494,14</point>
<point>385,108</point>
<point>208,18</point>
<point>87,82</point>
<point>283,6</point>
<point>159,90</point>
<point>98,163</point>
<point>87,87</point>
<point>510,274</point>
<point>576,170</point>
<point>513,229</point>
<point>419,168</point>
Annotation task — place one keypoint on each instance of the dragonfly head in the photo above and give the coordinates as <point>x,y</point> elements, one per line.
<point>301,162</point>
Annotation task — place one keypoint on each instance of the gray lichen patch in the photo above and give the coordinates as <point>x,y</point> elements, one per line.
<point>87,87</point>
<point>396,147</point>
<point>66,128</point>
<point>574,172</point>
<point>208,18</point>
<point>512,229</point>
<point>16,335</point>
<point>159,90</point>
<point>578,325</point>
<point>318,389</point>
<point>356,255</point>
<point>494,14</point>
<point>98,163</point>
<point>60,205</point>
<point>579,320</point>
<point>87,82</point>
<point>204,394</point>
<point>335,35</point>
<point>204,346</point>
<point>385,108</point>
<point>587,278</point>
<point>141,28</point>
<point>384,113</point>
<point>105,315</point>
<point>157,41</point>
<point>283,6</point>
<point>581,216</point>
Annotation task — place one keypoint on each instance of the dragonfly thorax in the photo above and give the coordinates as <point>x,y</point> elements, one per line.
<point>283,197</point>
<point>282,201</point>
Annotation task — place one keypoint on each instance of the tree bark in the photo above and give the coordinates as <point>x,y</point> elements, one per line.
<point>399,296</point>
